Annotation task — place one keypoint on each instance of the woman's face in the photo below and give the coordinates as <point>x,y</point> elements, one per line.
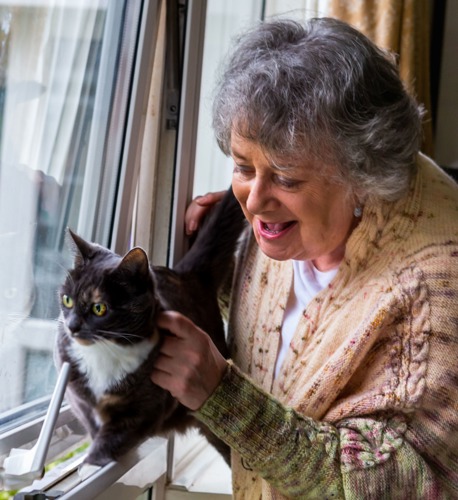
<point>295,214</point>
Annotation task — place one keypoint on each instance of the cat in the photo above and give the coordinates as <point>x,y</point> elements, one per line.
<point>108,335</point>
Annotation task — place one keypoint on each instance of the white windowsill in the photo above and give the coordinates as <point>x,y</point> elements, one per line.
<point>199,467</point>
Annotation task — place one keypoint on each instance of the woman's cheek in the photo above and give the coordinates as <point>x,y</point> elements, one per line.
<point>241,192</point>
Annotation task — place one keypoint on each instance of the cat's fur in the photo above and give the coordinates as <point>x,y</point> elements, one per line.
<point>111,356</point>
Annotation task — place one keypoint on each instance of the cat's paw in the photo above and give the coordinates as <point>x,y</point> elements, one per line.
<point>86,470</point>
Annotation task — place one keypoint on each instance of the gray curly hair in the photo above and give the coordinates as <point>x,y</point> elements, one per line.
<point>321,89</point>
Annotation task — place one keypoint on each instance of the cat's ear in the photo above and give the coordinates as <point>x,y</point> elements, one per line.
<point>135,262</point>
<point>84,250</point>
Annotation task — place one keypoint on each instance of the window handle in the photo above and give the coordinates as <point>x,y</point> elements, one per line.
<point>22,467</point>
<point>173,77</point>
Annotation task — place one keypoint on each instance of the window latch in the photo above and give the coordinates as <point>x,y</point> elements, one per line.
<point>173,76</point>
<point>22,466</point>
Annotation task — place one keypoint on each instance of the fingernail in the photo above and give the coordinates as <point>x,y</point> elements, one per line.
<point>192,226</point>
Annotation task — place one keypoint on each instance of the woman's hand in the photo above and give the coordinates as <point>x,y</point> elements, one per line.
<point>189,365</point>
<point>198,208</point>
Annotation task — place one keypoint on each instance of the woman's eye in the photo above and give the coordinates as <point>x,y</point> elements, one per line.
<point>241,170</point>
<point>67,301</point>
<point>287,182</point>
<point>99,309</point>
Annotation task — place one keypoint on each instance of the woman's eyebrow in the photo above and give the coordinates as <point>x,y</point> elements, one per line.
<point>238,155</point>
<point>272,165</point>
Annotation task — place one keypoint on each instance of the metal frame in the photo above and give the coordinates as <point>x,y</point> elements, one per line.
<point>139,94</point>
<point>189,113</point>
<point>28,432</point>
<point>186,143</point>
<point>137,471</point>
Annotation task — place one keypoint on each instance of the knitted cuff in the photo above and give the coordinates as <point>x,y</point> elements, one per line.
<point>242,415</point>
<point>293,453</point>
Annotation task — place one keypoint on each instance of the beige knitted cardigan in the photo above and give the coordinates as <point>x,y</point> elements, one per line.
<point>375,355</point>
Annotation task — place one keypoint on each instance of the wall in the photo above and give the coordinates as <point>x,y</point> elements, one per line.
<point>446,140</point>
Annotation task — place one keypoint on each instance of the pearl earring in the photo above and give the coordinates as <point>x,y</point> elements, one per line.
<point>358,211</point>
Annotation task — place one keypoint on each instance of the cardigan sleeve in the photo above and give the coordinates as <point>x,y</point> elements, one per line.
<point>355,458</point>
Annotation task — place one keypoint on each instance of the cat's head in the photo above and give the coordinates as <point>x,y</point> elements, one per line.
<point>108,297</point>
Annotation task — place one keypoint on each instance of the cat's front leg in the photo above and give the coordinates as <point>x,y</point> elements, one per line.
<point>87,470</point>
<point>84,412</point>
<point>100,452</point>
<point>99,455</point>
<point>111,444</point>
<point>115,439</point>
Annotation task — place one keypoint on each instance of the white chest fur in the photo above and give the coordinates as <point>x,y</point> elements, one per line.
<point>105,363</point>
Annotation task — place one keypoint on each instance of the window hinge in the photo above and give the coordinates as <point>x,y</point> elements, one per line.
<point>38,495</point>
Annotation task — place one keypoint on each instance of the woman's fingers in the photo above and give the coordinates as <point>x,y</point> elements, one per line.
<point>175,323</point>
<point>198,208</point>
<point>189,365</point>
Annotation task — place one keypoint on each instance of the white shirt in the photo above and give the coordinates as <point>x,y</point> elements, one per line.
<point>307,282</point>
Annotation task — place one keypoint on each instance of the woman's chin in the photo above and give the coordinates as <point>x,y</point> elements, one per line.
<point>275,248</point>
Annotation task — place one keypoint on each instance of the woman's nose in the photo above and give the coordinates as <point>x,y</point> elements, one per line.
<point>259,196</point>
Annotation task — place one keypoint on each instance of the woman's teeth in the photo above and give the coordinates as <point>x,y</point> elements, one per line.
<point>276,228</point>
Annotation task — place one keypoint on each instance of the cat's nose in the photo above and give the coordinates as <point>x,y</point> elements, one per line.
<point>74,325</point>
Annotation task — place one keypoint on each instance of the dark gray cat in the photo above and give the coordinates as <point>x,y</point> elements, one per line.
<point>107,332</point>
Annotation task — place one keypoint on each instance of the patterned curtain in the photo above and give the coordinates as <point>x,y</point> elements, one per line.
<point>402,26</point>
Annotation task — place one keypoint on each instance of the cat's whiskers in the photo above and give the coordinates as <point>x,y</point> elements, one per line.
<point>67,272</point>
<point>70,277</point>
<point>122,335</point>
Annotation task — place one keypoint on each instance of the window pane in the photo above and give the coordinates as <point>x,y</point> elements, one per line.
<point>58,76</point>
<point>224,20</point>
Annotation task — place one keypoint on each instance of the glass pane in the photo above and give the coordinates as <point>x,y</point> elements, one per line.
<point>58,71</point>
<point>224,20</point>
<point>212,172</point>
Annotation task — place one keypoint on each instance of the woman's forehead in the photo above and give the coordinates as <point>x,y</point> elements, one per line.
<point>243,149</point>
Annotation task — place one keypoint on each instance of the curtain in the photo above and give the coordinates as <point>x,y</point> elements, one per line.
<point>48,51</point>
<point>403,27</point>
<point>45,51</point>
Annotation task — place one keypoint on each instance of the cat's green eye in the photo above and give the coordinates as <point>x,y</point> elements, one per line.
<point>99,309</point>
<point>67,301</point>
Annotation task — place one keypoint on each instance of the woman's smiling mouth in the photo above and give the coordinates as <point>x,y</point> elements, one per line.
<point>273,230</point>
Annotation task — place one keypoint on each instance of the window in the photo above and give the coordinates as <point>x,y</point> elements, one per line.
<point>69,87</point>
<point>59,69</point>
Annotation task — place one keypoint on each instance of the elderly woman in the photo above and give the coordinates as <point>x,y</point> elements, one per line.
<point>343,318</point>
